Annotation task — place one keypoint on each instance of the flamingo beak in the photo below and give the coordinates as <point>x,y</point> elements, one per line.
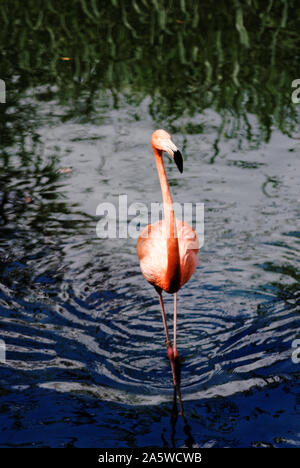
<point>173,151</point>
<point>178,160</point>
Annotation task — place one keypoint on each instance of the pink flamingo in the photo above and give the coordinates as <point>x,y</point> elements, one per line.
<point>168,249</point>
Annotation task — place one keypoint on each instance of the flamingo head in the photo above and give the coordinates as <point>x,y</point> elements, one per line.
<point>161,140</point>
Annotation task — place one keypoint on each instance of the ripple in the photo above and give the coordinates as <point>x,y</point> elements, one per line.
<point>83,329</point>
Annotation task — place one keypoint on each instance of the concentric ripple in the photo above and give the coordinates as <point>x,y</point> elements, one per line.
<point>82,328</point>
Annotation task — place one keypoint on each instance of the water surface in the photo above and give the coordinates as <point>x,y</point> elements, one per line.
<point>85,359</point>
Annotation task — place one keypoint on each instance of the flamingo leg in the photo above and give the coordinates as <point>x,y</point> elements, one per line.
<point>176,355</point>
<point>175,326</point>
<point>168,341</point>
<point>162,307</point>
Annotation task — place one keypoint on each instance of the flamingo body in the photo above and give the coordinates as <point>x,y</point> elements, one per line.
<point>152,250</point>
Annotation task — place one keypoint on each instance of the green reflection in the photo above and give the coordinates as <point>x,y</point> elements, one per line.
<point>238,58</point>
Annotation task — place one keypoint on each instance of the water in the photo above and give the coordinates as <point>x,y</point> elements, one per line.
<point>85,363</point>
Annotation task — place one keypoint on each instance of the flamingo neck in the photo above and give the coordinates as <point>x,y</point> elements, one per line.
<point>165,189</point>
<point>173,269</point>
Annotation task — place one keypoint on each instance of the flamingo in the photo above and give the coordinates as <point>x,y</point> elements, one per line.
<point>168,249</point>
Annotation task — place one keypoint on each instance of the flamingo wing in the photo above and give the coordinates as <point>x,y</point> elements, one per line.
<point>188,250</point>
<point>152,253</point>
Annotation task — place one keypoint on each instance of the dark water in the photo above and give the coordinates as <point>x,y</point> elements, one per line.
<point>85,359</point>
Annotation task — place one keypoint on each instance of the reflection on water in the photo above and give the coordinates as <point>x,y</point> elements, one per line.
<point>86,362</point>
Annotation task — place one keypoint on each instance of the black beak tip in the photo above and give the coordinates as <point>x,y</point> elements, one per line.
<point>178,160</point>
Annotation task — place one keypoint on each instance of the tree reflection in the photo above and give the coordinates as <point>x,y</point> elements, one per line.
<point>237,58</point>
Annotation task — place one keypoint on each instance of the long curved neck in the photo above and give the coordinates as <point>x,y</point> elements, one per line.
<point>173,269</point>
<point>165,189</point>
